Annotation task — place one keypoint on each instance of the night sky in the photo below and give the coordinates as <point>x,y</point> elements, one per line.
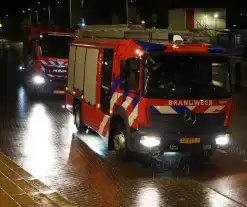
<point>99,11</point>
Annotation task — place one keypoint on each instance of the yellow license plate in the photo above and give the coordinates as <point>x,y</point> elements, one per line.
<point>58,92</point>
<point>190,140</point>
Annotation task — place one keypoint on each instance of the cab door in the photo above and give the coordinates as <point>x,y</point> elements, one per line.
<point>106,79</point>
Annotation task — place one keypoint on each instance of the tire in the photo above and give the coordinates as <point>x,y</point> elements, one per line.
<point>120,143</point>
<point>78,120</point>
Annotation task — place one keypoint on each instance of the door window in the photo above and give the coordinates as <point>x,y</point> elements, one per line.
<point>129,74</point>
<point>107,67</point>
<point>106,80</point>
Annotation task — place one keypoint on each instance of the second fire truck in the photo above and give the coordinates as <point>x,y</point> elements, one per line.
<point>46,60</point>
<point>151,98</point>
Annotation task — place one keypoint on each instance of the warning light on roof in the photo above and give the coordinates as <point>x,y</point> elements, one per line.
<point>139,52</point>
<point>215,49</point>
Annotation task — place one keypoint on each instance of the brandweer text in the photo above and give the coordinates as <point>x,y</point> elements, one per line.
<point>190,102</point>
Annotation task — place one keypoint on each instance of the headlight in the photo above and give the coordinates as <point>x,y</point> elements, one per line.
<point>150,141</point>
<point>38,79</point>
<point>223,139</point>
<point>21,67</point>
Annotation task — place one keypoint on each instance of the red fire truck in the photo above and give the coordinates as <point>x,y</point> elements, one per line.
<point>46,60</point>
<point>151,98</point>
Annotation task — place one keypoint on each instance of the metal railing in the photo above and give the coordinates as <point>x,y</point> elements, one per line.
<point>121,32</point>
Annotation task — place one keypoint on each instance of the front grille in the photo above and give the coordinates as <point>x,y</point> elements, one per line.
<point>54,70</point>
<point>174,123</point>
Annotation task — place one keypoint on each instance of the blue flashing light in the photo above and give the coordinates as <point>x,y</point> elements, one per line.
<point>215,49</point>
<point>148,47</point>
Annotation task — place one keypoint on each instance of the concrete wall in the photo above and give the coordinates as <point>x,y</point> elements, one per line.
<point>177,19</point>
<point>201,18</point>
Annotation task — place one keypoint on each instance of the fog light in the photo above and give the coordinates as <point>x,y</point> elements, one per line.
<point>150,141</point>
<point>38,80</point>
<point>222,140</point>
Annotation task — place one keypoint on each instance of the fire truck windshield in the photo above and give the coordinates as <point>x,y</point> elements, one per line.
<point>55,46</point>
<point>186,75</point>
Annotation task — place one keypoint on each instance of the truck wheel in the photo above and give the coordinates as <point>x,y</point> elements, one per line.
<point>120,143</point>
<point>78,120</point>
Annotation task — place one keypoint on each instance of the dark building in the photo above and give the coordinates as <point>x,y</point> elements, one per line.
<point>154,13</point>
<point>77,12</point>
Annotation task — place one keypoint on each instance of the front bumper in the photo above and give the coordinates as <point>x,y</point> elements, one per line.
<point>43,84</point>
<point>179,142</point>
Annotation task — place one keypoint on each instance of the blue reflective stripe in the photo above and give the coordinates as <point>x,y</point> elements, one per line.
<point>45,62</point>
<point>180,109</point>
<point>154,110</point>
<point>135,100</point>
<point>177,109</point>
<point>147,46</point>
<point>126,93</point>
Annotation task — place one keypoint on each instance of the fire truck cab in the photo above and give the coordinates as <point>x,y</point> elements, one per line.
<point>46,61</point>
<point>151,98</point>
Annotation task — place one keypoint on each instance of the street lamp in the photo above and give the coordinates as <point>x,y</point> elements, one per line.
<point>215,21</point>
<point>49,13</point>
<point>70,13</point>
<point>127,11</point>
<point>49,10</point>
<point>37,16</point>
<point>29,15</point>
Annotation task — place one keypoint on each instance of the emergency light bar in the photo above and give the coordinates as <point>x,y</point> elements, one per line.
<point>148,47</point>
<point>215,49</point>
<point>59,34</point>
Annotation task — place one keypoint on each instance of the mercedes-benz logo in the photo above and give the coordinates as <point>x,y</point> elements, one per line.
<point>189,118</point>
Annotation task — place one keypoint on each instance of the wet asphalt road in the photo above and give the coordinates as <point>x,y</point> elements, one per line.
<point>40,136</point>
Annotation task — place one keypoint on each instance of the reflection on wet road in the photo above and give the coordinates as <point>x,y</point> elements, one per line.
<point>40,136</point>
